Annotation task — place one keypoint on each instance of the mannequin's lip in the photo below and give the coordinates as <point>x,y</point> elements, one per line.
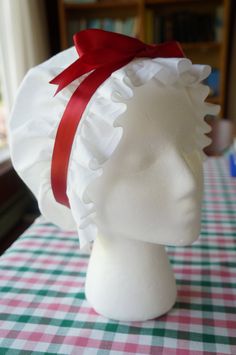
<point>190,208</point>
<point>191,195</point>
<point>187,201</point>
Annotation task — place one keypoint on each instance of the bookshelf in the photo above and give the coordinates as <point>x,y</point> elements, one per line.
<point>201,26</point>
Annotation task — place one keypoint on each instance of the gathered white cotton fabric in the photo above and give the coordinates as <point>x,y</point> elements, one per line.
<point>37,113</point>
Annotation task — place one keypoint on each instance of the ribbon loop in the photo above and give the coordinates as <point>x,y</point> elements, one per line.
<point>100,54</point>
<point>93,39</point>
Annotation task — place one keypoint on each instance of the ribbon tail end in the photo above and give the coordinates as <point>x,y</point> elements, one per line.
<point>58,88</point>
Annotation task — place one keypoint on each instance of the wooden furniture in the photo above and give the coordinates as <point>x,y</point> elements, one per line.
<point>15,198</point>
<point>213,50</point>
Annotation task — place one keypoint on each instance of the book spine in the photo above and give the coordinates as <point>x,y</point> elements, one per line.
<point>186,26</point>
<point>72,28</point>
<point>128,26</point>
<point>108,24</point>
<point>94,23</point>
<point>218,24</point>
<point>149,25</point>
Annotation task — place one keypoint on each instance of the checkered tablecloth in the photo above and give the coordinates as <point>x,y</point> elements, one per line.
<point>43,308</point>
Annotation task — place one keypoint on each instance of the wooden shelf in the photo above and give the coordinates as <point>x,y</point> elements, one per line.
<point>178,2</point>
<point>201,45</point>
<point>214,99</point>
<point>100,5</point>
<point>213,53</point>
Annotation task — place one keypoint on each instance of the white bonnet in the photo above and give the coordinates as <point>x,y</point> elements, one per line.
<point>37,113</point>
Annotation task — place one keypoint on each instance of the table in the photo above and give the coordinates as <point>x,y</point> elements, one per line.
<point>43,308</point>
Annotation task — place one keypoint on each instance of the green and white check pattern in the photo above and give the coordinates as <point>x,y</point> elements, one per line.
<point>43,308</point>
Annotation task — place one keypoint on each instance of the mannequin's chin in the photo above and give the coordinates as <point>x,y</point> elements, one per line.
<point>185,235</point>
<point>181,234</point>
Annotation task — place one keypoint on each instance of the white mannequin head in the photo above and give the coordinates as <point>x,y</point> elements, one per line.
<point>151,187</point>
<point>148,195</point>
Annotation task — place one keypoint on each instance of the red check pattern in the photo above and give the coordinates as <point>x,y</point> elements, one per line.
<point>43,308</point>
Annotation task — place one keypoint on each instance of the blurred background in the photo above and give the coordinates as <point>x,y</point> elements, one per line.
<point>33,30</point>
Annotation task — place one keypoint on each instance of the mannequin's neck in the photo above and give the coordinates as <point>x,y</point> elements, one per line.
<point>129,279</point>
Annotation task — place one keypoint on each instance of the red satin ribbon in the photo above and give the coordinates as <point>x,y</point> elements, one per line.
<point>100,54</point>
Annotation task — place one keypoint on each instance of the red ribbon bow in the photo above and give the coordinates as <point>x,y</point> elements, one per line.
<point>100,54</point>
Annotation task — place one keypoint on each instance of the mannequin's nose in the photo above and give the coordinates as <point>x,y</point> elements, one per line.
<point>184,182</point>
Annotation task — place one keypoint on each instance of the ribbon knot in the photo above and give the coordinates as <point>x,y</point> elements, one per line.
<point>100,54</point>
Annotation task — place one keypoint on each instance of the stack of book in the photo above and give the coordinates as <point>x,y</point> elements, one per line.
<point>184,26</point>
<point>127,26</point>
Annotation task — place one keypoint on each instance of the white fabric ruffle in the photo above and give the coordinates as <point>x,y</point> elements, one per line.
<point>37,113</point>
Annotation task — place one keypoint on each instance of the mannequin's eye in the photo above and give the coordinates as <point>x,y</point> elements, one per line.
<point>135,163</point>
<point>193,160</point>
